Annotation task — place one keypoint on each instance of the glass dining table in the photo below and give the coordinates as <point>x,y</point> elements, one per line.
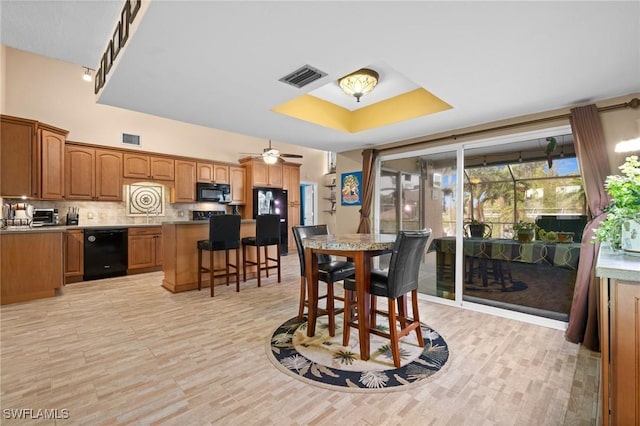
<point>361,249</point>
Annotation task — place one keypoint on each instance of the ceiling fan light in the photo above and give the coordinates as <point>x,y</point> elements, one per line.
<point>359,83</point>
<point>269,159</point>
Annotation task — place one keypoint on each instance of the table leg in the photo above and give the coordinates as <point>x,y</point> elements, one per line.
<point>311,262</point>
<point>362,262</point>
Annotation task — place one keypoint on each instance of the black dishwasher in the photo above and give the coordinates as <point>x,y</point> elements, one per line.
<point>105,253</point>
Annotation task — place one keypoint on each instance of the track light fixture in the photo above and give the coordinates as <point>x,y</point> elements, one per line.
<point>87,75</point>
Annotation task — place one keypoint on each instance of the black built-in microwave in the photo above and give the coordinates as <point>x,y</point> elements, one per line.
<point>213,192</point>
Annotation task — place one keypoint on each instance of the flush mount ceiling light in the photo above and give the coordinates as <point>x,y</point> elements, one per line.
<point>359,83</point>
<point>87,75</point>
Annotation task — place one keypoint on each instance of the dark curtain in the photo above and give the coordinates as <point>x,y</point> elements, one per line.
<point>368,161</point>
<point>591,151</point>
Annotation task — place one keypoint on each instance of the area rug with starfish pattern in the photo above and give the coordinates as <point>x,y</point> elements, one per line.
<point>322,360</point>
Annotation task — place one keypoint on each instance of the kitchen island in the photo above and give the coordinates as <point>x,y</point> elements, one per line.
<point>31,263</point>
<point>180,254</point>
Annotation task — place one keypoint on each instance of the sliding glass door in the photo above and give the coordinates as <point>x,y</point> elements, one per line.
<point>491,185</point>
<point>420,192</point>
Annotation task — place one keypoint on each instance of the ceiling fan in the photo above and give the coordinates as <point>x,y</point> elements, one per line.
<point>271,155</point>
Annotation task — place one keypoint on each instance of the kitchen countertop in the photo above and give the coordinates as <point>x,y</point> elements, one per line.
<point>64,228</point>
<point>617,265</point>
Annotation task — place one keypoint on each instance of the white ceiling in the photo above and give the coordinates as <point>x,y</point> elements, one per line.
<point>217,64</point>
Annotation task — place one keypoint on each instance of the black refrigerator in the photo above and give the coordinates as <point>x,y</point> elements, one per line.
<point>273,201</point>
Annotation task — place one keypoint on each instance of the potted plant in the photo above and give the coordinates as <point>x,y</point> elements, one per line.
<point>524,231</point>
<point>478,229</point>
<point>621,228</point>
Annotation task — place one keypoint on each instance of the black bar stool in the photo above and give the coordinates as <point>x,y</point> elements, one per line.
<point>267,234</point>
<point>224,234</point>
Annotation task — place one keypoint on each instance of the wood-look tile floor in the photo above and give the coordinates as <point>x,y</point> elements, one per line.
<point>126,351</point>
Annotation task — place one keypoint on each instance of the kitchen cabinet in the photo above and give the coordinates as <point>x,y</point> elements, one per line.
<point>93,174</point>
<point>142,166</point>
<point>291,182</point>
<point>51,163</point>
<point>262,174</point>
<point>31,265</point>
<point>238,179</point>
<point>184,190</point>
<point>18,157</point>
<point>74,255</point>
<point>619,337</point>
<point>212,173</point>
<point>220,173</point>
<point>144,249</point>
<point>204,172</point>
<point>31,159</point>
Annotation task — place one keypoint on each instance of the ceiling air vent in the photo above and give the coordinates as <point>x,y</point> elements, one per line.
<point>128,139</point>
<point>303,76</point>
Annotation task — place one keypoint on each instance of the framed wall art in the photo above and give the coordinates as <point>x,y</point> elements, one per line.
<point>107,59</point>
<point>124,25</point>
<point>134,6</point>
<point>351,189</point>
<point>116,41</point>
<point>98,80</point>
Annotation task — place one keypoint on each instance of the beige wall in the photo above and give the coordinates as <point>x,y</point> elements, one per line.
<point>53,92</point>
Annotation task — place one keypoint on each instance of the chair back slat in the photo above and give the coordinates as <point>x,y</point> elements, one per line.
<point>224,231</point>
<point>404,266</point>
<point>267,229</point>
<point>305,231</point>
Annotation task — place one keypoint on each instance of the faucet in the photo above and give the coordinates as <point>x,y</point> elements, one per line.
<point>152,210</point>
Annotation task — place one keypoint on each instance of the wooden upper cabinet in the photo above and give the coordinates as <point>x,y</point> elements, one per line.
<point>260,173</point>
<point>220,173</point>
<point>18,156</point>
<point>162,168</point>
<point>52,164</point>
<point>142,166</point>
<point>238,179</point>
<point>93,174</point>
<point>136,166</point>
<point>184,190</point>
<point>291,182</point>
<point>108,175</point>
<point>80,174</point>
<point>204,172</point>
<point>275,175</point>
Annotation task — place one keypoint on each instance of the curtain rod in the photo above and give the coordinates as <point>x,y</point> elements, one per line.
<point>633,103</point>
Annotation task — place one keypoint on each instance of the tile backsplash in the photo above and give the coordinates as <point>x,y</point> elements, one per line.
<point>115,213</point>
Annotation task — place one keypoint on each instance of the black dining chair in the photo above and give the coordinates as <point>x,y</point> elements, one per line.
<point>329,271</point>
<point>267,234</point>
<point>224,234</point>
<point>394,283</point>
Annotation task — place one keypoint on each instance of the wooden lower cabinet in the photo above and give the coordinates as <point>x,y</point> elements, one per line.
<point>620,349</point>
<point>144,249</point>
<point>31,265</point>
<point>74,256</point>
